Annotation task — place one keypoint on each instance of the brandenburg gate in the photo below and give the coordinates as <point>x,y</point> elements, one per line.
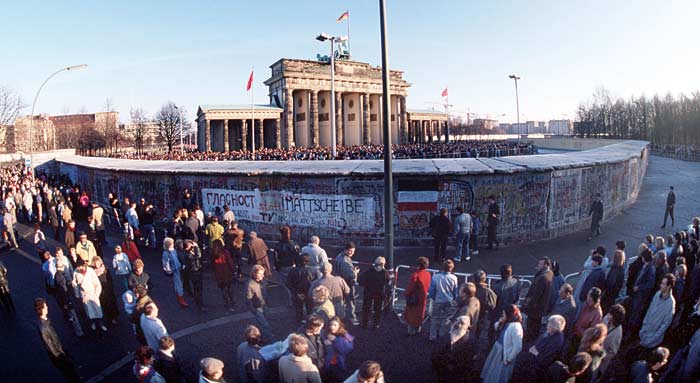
<point>299,114</point>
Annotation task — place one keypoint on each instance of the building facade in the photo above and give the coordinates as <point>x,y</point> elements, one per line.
<point>299,113</point>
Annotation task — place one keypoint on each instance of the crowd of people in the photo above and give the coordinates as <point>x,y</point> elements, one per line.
<point>622,321</point>
<point>454,149</point>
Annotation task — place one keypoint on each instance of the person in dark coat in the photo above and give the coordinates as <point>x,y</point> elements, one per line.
<point>299,282</point>
<point>660,268</point>
<point>595,279</point>
<point>59,358</point>
<point>537,300</point>
<point>257,253</point>
<point>312,334</point>
<point>166,363</point>
<point>559,372</point>
<point>453,353</point>
<point>613,281</point>
<point>417,297</point>
<point>642,292</point>
<point>193,264</point>
<point>634,268</point>
<point>5,297</point>
<point>441,228</point>
<point>596,213</point>
<point>507,290</point>
<point>531,365</point>
<point>494,216</point>
<point>374,281</point>
<point>670,205</point>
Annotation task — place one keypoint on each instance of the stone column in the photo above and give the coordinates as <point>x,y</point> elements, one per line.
<point>225,135</point>
<point>404,120</point>
<point>260,143</point>
<point>339,120</point>
<point>365,119</point>
<point>278,137</point>
<point>244,134</point>
<point>314,119</point>
<point>289,118</point>
<point>207,136</point>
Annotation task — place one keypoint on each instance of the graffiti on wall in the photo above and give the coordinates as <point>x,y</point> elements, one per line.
<point>277,207</point>
<point>565,197</point>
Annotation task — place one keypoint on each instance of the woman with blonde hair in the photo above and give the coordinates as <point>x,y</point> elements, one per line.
<point>172,267</point>
<point>592,344</point>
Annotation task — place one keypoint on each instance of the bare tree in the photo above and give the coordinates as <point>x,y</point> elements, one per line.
<point>168,121</point>
<point>139,119</point>
<point>109,127</point>
<point>10,107</point>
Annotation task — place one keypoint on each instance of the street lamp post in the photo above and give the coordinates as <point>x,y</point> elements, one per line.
<point>386,128</point>
<point>182,145</point>
<point>31,117</point>
<point>517,102</point>
<point>333,39</point>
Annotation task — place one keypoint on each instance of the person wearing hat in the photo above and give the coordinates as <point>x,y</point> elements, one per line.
<point>374,281</point>
<point>596,213</point>
<point>212,371</point>
<point>85,248</point>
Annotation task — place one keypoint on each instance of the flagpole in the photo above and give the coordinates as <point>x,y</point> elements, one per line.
<point>447,110</point>
<point>349,51</point>
<point>252,115</point>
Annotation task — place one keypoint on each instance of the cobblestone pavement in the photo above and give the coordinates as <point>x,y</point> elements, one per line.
<point>217,332</point>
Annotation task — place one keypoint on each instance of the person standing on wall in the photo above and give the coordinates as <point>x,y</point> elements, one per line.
<point>440,226</point>
<point>596,213</point>
<point>492,221</point>
<point>670,204</point>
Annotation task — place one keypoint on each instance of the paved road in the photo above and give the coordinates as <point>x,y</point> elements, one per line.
<point>217,333</point>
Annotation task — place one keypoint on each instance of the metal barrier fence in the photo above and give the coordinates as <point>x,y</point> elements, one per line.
<point>680,155</point>
<point>398,301</point>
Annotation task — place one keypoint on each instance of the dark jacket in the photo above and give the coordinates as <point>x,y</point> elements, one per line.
<point>374,282</point>
<point>452,362</point>
<point>487,305</point>
<point>613,285</point>
<point>317,350</point>
<point>633,272</point>
<point>596,210</point>
<point>494,214</point>
<point>441,226</point>
<point>50,339</point>
<point>595,279</point>
<point>169,368</point>
<point>507,293</point>
<point>287,254</point>
<point>300,278</point>
<point>530,368</point>
<point>537,299</point>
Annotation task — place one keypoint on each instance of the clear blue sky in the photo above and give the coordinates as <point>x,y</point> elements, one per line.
<point>144,53</point>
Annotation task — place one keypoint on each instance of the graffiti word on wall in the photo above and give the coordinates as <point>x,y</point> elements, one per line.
<point>344,212</point>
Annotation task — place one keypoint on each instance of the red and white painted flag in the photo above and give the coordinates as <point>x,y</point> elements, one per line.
<point>417,201</point>
<point>444,93</point>
<point>344,16</point>
<point>250,81</point>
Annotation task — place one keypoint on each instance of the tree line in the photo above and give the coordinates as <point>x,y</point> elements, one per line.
<point>659,119</point>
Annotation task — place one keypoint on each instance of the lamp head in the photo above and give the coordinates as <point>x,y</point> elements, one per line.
<point>77,67</point>
<point>323,37</point>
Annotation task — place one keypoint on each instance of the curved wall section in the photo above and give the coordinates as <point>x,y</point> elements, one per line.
<point>541,196</point>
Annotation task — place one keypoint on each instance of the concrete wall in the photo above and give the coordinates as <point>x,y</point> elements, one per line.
<point>540,197</point>
<point>572,143</point>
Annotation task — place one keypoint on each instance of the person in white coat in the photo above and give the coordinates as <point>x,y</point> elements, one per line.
<point>501,360</point>
<point>88,289</point>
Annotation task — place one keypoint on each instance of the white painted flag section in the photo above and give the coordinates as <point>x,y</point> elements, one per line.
<point>417,200</point>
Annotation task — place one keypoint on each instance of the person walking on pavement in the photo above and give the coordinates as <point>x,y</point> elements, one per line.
<point>596,213</point>
<point>374,281</point>
<point>59,358</point>
<point>462,227</point>
<point>492,221</point>
<point>440,226</point>
<point>9,221</point>
<point>172,267</point>
<point>256,299</point>
<point>670,204</point>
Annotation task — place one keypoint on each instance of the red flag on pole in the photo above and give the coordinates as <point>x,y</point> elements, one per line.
<point>250,81</point>
<point>344,16</point>
<point>444,92</point>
